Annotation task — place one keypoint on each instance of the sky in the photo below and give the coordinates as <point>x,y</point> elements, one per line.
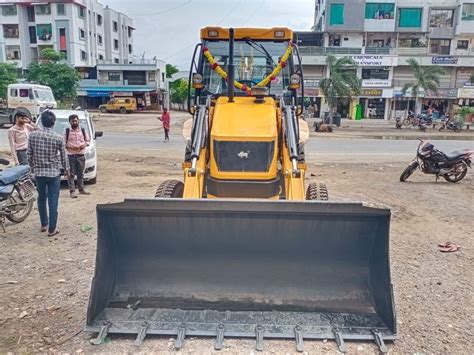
<point>169,29</point>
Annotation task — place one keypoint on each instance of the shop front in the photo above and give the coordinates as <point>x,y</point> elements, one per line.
<point>439,103</point>
<point>374,103</point>
<point>466,99</point>
<point>312,97</point>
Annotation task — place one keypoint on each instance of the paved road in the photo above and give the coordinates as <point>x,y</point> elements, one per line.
<point>335,149</point>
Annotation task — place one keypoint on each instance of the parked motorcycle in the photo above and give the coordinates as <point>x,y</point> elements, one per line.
<point>452,166</point>
<point>450,126</point>
<point>17,192</point>
<point>410,120</point>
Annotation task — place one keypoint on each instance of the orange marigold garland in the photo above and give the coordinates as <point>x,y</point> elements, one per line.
<point>218,69</point>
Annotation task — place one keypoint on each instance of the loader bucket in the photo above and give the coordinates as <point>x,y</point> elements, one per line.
<point>242,268</point>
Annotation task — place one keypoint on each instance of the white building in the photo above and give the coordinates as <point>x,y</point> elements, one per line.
<point>381,35</point>
<point>84,30</point>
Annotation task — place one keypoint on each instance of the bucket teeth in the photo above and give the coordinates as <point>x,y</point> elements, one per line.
<point>259,336</point>
<point>178,344</point>
<point>378,337</point>
<point>340,340</point>
<point>299,339</point>
<point>141,334</point>
<point>104,329</point>
<point>219,337</point>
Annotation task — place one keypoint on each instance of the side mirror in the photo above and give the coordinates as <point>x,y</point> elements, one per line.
<point>98,134</point>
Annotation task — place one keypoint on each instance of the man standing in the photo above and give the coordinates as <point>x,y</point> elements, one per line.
<point>46,155</point>
<point>18,137</point>
<point>165,119</point>
<point>76,140</point>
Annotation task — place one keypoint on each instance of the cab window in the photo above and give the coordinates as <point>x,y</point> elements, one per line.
<point>24,93</point>
<point>13,92</point>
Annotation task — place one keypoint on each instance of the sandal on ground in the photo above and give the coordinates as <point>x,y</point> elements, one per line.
<point>56,231</point>
<point>448,247</point>
<point>44,229</point>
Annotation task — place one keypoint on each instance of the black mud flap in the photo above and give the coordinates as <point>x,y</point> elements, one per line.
<point>243,268</point>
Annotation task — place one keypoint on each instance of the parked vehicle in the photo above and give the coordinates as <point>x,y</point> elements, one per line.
<point>451,166</point>
<point>85,121</point>
<point>120,104</point>
<point>31,99</point>
<point>17,192</point>
<point>410,119</point>
<point>450,125</point>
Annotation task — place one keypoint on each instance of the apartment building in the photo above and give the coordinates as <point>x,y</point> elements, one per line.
<point>381,35</point>
<point>84,30</point>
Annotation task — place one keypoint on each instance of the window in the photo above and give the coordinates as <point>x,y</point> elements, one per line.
<point>62,39</point>
<point>410,43</point>
<point>467,12</point>
<point>130,31</point>
<point>162,76</point>
<point>440,46</point>
<point>43,9</point>
<point>463,44</point>
<point>31,13</point>
<point>82,11</point>
<point>83,56</point>
<point>116,61</point>
<point>151,76</point>
<point>441,18</point>
<point>9,10</point>
<point>116,44</point>
<point>24,93</point>
<point>101,57</point>
<point>379,11</point>
<point>130,49</point>
<point>32,32</point>
<point>99,20</point>
<point>375,73</point>
<point>44,32</point>
<point>14,92</point>
<point>61,9</point>
<point>99,39</point>
<point>409,17</point>
<point>336,14</point>
<point>82,34</point>
<point>13,52</point>
<point>11,31</point>
<point>115,25</point>
<point>114,76</point>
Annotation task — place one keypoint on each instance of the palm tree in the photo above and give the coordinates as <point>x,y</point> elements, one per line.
<point>426,78</point>
<point>342,84</point>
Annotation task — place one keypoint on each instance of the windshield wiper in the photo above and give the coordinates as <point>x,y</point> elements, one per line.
<point>259,47</point>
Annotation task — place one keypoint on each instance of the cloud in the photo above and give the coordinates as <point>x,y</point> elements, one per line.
<point>169,29</point>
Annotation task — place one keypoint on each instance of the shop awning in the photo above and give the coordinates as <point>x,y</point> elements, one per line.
<point>106,91</point>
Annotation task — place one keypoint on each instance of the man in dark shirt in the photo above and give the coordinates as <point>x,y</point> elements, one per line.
<point>46,156</point>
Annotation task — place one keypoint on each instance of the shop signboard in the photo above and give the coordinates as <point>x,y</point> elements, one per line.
<point>376,83</point>
<point>446,59</point>
<point>375,60</point>
<point>441,94</point>
<point>371,92</point>
<point>468,84</point>
<point>466,93</point>
<point>122,93</point>
<point>311,83</point>
<point>310,92</point>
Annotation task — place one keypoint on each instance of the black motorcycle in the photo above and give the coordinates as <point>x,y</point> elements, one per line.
<point>452,167</point>
<point>17,192</point>
<point>450,126</point>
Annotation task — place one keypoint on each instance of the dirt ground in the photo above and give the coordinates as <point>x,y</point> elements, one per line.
<point>45,282</point>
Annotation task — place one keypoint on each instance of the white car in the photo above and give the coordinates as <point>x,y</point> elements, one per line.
<point>85,121</point>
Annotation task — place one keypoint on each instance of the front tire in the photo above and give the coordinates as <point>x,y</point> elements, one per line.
<point>441,129</point>
<point>317,191</point>
<point>408,171</point>
<point>103,110</point>
<point>406,122</point>
<point>123,110</point>
<point>170,189</point>
<point>460,171</point>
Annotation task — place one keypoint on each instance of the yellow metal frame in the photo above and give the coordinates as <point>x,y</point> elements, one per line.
<point>253,33</point>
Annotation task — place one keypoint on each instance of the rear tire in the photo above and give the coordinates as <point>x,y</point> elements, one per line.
<point>408,171</point>
<point>20,216</point>
<point>123,110</point>
<point>103,110</point>
<point>460,174</point>
<point>457,129</point>
<point>170,189</point>
<point>406,122</point>
<point>317,191</point>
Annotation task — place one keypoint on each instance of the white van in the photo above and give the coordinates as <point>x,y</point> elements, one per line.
<point>30,98</point>
<point>85,121</point>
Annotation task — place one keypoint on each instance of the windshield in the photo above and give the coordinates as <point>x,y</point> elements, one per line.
<point>44,95</point>
<point>253,61</point>
<point>63,123</point>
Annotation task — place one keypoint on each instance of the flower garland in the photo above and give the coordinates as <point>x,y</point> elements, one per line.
<point>218,69</point>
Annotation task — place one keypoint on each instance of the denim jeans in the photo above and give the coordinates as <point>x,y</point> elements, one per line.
<point>48,192</point>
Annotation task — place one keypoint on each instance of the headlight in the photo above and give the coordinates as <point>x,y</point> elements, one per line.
<point>90,153</point>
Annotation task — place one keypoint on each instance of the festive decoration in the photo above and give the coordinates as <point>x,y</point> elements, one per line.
<point>272,76</point>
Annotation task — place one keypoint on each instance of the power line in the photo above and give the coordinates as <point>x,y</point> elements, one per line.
<point>165,11</point>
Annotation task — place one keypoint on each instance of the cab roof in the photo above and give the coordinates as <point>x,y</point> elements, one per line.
<point>274,33</point>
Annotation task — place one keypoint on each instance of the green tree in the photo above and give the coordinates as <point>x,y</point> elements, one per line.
<point>342,84</point>
<point>170,70</point>
<point>179,91</point>
<point>425,78</point>
<point>60,77</point>
<point>8,75</point>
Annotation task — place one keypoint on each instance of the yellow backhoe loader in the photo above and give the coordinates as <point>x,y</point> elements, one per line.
<point>240,247</point>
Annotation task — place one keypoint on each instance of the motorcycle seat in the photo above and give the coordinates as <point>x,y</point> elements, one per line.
<point>454,155</point>
<point>6,190</point>
<point>13,174</point>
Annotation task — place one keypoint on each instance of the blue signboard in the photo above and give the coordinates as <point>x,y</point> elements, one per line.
<point>444,60</point>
